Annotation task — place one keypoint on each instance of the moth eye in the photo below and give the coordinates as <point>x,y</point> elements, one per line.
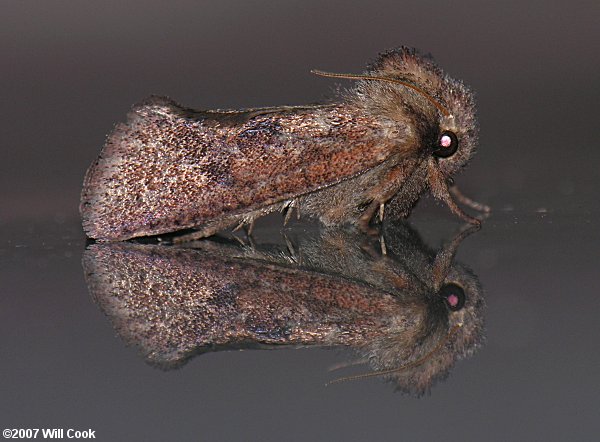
<point>453,295</point>
<point>447,144</point>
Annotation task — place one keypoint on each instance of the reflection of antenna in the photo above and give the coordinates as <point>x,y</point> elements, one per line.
<point>432,100</point>
<point>419,361</point>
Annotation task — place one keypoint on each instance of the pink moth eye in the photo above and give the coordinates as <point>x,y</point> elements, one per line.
<point>445,141</point>
<point>447,144</point>
<point>453,295</point>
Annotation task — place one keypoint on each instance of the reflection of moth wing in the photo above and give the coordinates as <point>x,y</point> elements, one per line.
<point>172,168</point>
<point>173,303</point>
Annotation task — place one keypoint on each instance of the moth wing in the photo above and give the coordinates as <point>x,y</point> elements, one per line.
<point>170,168</point>
<point>173,303</point>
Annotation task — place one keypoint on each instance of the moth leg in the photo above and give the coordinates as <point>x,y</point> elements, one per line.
<point>207,230</point>
<point>367,216</point>
<point>288,207</point>
<point>293,257</point>
<point>382,244</point>
<point>383,193</point>
<point>250,227</point>
<point>461,198</point>
<point>369,248</point>
<point>250,240</point>
<point>439,189</point>
<point>445,256</point>
<point>241,241</point>
<point>241,224</point>
<point>247,223</point>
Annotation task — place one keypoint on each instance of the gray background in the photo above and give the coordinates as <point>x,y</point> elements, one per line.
<point>71,69</point>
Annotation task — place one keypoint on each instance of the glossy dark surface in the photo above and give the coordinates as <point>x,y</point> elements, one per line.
<point>73,70</point>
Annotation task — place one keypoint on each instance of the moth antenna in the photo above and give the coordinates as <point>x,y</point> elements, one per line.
<point>419,361</point>
<point>432,100</point>
<point>342,365</point>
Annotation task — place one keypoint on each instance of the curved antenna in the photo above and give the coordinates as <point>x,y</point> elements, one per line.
<point>432,100</point>
<point>419,361</point>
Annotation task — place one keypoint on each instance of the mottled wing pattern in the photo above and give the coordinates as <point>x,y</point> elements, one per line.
<point>171,168</point>
<point>172,303</point>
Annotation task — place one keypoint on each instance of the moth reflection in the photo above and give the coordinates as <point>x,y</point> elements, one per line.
<point>406,310</point>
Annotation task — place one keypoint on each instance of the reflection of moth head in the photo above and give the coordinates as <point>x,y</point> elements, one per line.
<point>420,345</point>
<point>333,289</point>
<point>470,313</point>
<point>454,324</point>
<point>416,355</point>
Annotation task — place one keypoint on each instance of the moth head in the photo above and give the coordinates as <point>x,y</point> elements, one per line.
<point>453,329</point>
<point>441,108</point>
<point>461,296</point>
<point>449,328</point>
<point>433,113</point>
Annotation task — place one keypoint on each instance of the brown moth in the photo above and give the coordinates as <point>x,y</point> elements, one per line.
<point>410,314</point>
<point>404,128</point>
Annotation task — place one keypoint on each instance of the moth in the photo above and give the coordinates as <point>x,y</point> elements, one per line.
<point>405,127</point>
<point>409,314</point>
